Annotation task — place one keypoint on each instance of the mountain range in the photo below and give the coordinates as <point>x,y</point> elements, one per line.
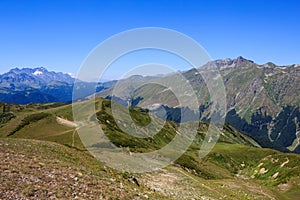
<point>44,138</point>
<point>262,100</point>
<point>38,85</point>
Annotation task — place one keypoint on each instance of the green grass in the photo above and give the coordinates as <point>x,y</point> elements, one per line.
<point>62,172</point>
<point>226,159</point>
<point>6,117</point>
<point>64,112</point>
<point>28,120</point>
<point>233,155</point>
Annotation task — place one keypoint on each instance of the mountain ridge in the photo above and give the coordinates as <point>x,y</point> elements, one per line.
<point>55,164</point>
<point>35,76</point>
<point>259,98</point>
<point>38,85</point>
<point>262,100</point>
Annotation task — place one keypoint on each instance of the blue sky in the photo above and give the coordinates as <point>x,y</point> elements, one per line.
<point>59,34</point>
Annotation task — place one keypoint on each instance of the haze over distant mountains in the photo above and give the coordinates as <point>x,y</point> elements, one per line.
<point>262,100</point>
<point>29,85</point>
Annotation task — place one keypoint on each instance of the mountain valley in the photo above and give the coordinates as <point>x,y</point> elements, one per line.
<point>255,157</point>
<point>35,136</point>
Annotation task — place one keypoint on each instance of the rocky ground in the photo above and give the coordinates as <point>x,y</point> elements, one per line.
<point>39,170</point>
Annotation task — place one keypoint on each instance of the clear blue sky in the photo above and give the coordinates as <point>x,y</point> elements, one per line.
<point>59,34</point>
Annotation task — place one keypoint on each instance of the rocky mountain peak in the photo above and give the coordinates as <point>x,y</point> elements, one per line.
<point>240,59</point>
<point>227,63</point>
<point>32,77</point>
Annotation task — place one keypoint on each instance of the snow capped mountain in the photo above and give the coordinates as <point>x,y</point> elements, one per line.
<point>37,72</point>
<point>29,85</point>
<point>32,77</point>
<point>72,75</point>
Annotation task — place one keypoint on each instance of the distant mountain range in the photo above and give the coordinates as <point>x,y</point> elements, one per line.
<point>23,78</point>
<point>30,85</point>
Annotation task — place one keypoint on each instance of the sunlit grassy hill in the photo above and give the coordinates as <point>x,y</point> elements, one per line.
<point>42,156</point>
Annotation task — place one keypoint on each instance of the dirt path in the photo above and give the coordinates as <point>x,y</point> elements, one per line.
<point>66,122</point>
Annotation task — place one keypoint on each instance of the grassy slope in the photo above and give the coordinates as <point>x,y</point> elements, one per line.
<point>32,169</point>
<point>230,170</point>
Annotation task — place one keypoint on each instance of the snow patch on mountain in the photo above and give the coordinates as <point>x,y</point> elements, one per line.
<point>37,72</point>
<point>72,75</point>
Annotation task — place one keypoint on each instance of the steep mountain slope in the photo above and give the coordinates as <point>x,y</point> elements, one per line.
<point>262,100</point>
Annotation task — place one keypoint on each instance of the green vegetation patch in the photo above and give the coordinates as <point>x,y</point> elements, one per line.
<point>29,119</point>
<point>5,117</point>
